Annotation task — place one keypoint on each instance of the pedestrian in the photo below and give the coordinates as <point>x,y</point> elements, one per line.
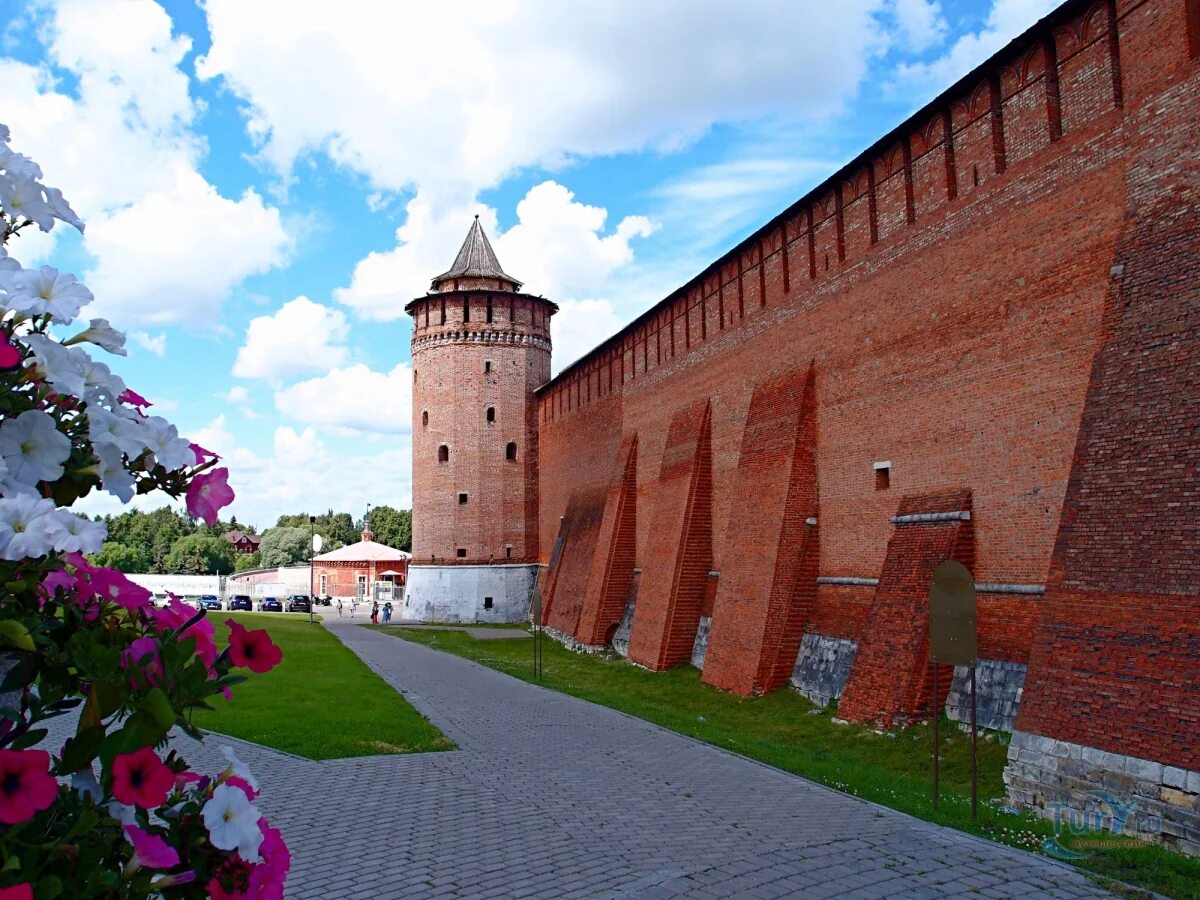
<point>387,612</point>
<point>353,608</point>
<point>339,607</point>
<point>375,613</point>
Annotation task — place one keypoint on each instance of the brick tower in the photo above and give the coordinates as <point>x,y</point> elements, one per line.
<point>480,349</point>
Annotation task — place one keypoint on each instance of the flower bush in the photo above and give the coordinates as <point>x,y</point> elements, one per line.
<point>113,811</point>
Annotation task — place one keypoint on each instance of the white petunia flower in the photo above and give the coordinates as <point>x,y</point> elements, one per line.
<point>102,334</point>
<point>61,209</point>
<point>123,813</point>
<point>33,448</point>
<point>163,440</point>
<point>239,768</point>
<point>18,165</point>
<point>113,474</point>
<point>23,532</point>
<point>46,290</point>
<point>5,134</point>
<point>98,379</point>
<point>8,268</point>
<point>86,784</point>
<point>232,822</point>
<point>23,197</point>
<point>70,533</point>
<point>123,434</point>
<point>59,366</point>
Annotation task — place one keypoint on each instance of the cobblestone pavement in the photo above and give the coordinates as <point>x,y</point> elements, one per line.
<point>550,796</point>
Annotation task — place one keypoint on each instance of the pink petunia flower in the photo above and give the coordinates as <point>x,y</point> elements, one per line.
<point>141,779</point>
<point>241,783</point>
<point>268,878</point>
<point>202,455</point>
<point>133,398</point>
<point>26,785</point>
<point>149,850</point>
<point>150,670</point>
<point>10,356</point>
<point>175,615</point>
<point>112,586</point>
<point>253,650</point>
<point>22,891</point>
<point>208,494</point>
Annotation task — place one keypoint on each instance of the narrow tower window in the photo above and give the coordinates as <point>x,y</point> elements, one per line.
<point>443,322</point>
<point>883,475</point>
<point>491,414</point>
<point>462,553</point>
<point>444,453</point>
<point>466,309</point>
<point>510,452</point>
<point>425,418</point>
<point>487,366</point>
<point>462,499</point>
<point>489,310</point>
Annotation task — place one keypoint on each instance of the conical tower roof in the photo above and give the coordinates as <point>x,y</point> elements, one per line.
<point>475,259</point>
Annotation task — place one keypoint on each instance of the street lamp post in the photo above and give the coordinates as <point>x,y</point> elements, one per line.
<point>312,546</point>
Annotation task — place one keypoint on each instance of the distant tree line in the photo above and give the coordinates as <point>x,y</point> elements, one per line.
<point>167,542</point>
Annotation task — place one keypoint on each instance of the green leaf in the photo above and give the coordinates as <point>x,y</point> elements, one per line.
<point>48,888</point>
<point>156,705</point>
<point>29,738</point>
<point>15,634</point>
<point>80,750</point>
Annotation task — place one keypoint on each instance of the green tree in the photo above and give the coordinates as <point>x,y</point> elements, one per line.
<point>121,557</point>
<point>200,554</point>
<point>284,547</point>
<point>392,526</point>
<point>246,561</point>
<point>337,529</point>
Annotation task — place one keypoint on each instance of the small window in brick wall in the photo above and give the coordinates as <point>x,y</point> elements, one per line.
<point>487,602</point>
<point>462,499</point>
<point>883,475</point>
<point>491,414</point>
<point>510,451</point>
<point>487,366</point>
<point>508,551</point>
<point>425,418</point>
<point>443,453</point>
<point>462,552</point>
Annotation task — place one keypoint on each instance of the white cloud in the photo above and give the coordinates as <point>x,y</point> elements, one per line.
<point>353,398</point>
<point>238,395</point>
<point>155,343</point>
<point>119,143</point>
<point>174,256</point>
<point>921,22</point>
<point>1005,20</point>
<point>292,476</point>
<point>558,248</point>
<point>478,89</point>
<point>300,337</point>
<point>579,326</point>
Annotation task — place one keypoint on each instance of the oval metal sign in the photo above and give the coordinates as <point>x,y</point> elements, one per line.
<point>953,635</point>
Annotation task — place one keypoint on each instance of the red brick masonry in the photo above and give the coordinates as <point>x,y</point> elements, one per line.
<point>998,303</point>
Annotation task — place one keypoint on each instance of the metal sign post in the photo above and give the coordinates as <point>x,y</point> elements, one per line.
<point>314,547</point>
<point>953,641</point>
<point>536,609</point>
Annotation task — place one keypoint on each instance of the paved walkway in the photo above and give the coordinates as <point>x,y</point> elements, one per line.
<point>483,634</point>
<point>550,796</point>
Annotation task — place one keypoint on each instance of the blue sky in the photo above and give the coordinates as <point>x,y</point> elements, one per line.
<point>266,184</point>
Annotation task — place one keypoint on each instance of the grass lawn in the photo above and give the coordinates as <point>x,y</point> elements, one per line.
<point>321,701</point>
<point>787,731</point>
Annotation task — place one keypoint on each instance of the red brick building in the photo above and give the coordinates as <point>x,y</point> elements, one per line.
<point>978,340</point>
<point>243,541</point>
<point>364,569</point>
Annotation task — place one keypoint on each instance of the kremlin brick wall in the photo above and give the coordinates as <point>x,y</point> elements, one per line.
<point>998,305</point>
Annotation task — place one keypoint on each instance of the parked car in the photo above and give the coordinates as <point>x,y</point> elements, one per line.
<point>208,601</point>
<point>241,601</point>
<point>299,603</point>
<point>270,604</point>
<point>325,601</point>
